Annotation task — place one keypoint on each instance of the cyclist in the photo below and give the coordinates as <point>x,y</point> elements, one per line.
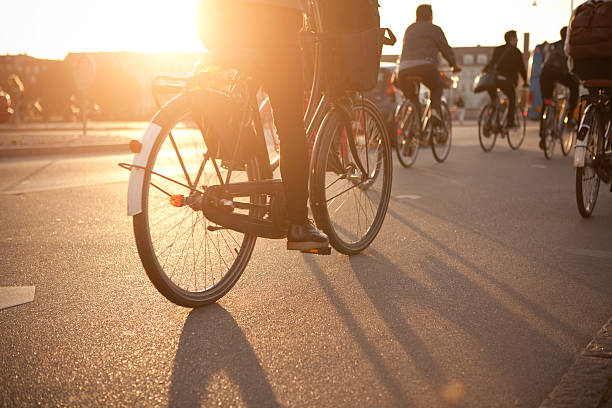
<point>595,61</point>
<point>554,69</point>
<point>272,27</point>
<point>422,42</point>
<point>509,62</point>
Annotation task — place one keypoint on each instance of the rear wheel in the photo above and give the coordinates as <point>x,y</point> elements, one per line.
<point>441,136</point>
<point>568,136</point>
<point>486,136</point>
<point>406,134</point>
<point>516,134</point>
<point>190,260</point>
<point>587,180</point>
<point>349,204</point>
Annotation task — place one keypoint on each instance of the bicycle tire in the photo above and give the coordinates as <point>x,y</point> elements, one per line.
<point>486,137</point>
<point>159,219</point>
<point>442,137</point>
<point>549,121</point>
<point>568,137</point>
<point>332,161</point>
<point>587,179</point>
<point>516,136</point>
<point>407,140</point>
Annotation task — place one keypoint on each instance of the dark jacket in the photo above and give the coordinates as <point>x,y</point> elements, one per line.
<point>422,43</point>
<point>509,62</point>
<point>555,58</point>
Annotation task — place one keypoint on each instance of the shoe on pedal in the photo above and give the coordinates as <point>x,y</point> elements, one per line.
<point>305,236</point>
<point>542,144</point>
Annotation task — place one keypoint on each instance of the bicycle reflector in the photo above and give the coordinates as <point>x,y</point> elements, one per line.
<point>177,200</point>
<point>135,146</point>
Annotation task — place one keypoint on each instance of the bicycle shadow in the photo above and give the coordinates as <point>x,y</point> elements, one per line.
<point>212,346</point>
<point>465,304</point>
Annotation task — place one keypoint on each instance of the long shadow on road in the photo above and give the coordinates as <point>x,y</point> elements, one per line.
<point>212,344</point>
<point>504,333</point>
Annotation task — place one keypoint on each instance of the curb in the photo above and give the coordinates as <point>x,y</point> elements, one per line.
<point>588,382</point>
<point>10,152</point>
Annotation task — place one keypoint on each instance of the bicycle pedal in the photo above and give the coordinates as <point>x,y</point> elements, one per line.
<point>318,251</point>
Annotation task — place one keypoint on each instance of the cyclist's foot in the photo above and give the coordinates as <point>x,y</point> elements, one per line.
<point>486,130</point>
<point>542,144</point>
<point>436,118</point>
<point>305,236</point>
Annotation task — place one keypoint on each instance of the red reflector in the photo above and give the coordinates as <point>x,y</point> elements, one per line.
<point>135,146</point>
<point>177,200</point>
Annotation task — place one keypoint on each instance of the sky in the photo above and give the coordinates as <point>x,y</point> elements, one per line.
<point>51,29</point>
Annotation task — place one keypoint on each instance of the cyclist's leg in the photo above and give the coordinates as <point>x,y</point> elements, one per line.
<point>431,79</point>
<point>547,82</point>
<point>409,88</point>
<point>492,95</point>
<point>507,87</point>
<point>573,85</point>
<point>282,77</point>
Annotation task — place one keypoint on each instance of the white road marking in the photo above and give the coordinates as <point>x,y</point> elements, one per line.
<point>408,196</point>
<point>592,253</point>
<point>16,295</point>
<point>539,166</point>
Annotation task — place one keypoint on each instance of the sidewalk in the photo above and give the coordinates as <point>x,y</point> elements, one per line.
<point>34,139</point>
<point>588,382</point>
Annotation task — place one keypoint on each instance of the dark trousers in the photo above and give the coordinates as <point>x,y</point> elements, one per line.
<point>429,76</point>
<point>508,88</point>
<point>274,33</point>
<point>547,83</point>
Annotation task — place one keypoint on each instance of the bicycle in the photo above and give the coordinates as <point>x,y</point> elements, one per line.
<point>493,122</point>
<point>198,208</point>
<point>555,126</point>
<point>593,150</point>
<point>415,129</point>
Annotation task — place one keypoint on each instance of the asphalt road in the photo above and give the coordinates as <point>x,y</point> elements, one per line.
<point>480,289</point>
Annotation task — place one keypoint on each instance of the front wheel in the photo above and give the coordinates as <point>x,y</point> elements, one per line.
<point>190,260</point>
<point>486,135</point>
<point>350,203</point>
<point>442,135</point>
<point>587,179</point>
<point>548,131</point>
<point>407,135</point>
<point>516,134</point>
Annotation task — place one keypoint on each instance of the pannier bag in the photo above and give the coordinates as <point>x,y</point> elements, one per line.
<point>590,31</point>
<point>352,44</point>
<point>485,81</point>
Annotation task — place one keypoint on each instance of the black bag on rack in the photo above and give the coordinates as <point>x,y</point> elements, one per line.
<point>352,43</point>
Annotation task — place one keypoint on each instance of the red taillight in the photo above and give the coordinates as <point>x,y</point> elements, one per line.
<point>390,90</point>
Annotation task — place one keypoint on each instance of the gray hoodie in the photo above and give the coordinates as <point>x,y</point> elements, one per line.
<point>422,43</point>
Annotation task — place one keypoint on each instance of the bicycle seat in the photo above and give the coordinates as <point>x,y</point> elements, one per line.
<point>598,83</point>
<point>238,58</point>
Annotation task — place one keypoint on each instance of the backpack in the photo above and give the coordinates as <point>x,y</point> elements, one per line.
<point>555,58</point>
<point>352,44</point>
<point>590,31</point>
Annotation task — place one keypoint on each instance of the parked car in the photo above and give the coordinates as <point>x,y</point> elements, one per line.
<point>386,96</point>
<point>6,112</point>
